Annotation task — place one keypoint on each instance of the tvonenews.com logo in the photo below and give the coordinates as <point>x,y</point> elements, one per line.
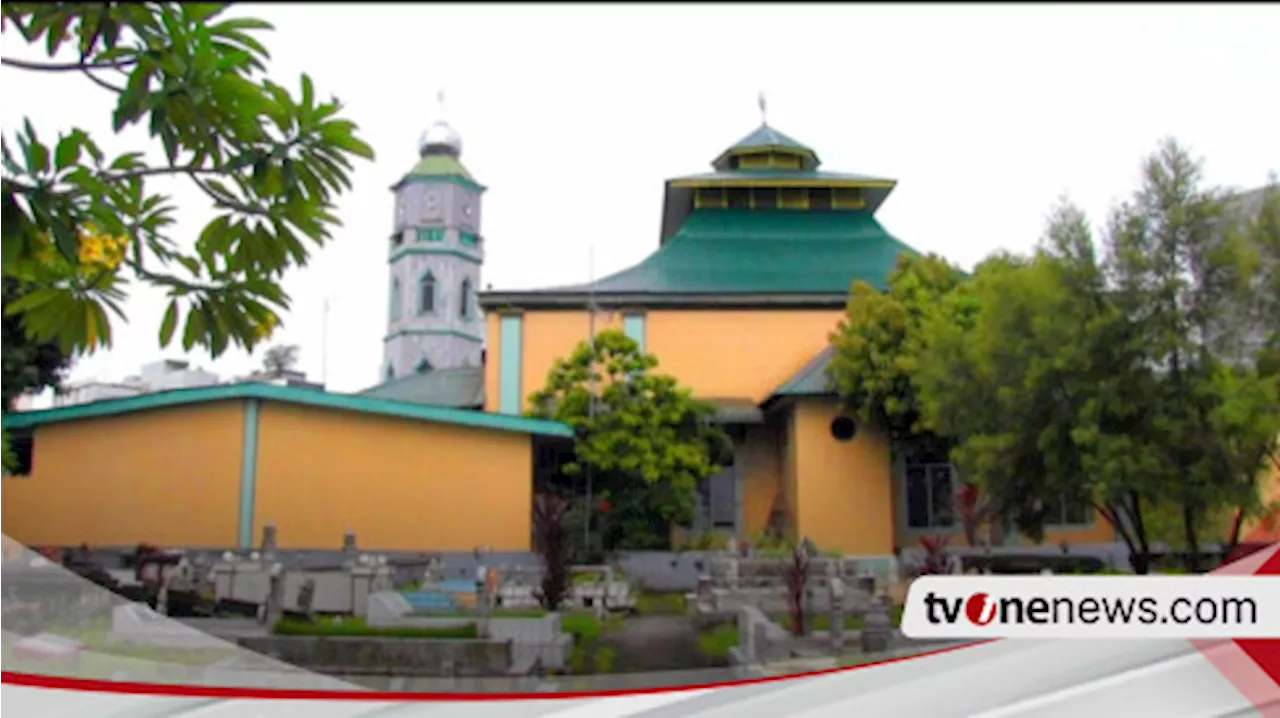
<point>1093,606</point>
<point>982,609</point>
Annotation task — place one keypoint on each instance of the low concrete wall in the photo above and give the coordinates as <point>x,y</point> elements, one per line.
<point>361,655</point>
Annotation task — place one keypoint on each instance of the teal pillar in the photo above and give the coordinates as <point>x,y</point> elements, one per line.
<point>633,327</point>
<point>248,471</point>
<point>510,351</point>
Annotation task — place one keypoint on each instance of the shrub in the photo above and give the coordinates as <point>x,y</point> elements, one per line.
<point>716,641</point>
<point>356,627</point>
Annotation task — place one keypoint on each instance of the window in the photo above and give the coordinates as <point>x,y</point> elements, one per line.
<point>423,367</point>
<point>930,496</point>
<point>764,198</point>
<point>464,306</point>
<point>739,198</point>
<point>468,239</point>
<point>391,372</point>
<point>427,294</point>
<point>710,197</point>
<point>395,299</point>
<point>1069,512</point>
<point>820,198</point>
<point>431,234</point>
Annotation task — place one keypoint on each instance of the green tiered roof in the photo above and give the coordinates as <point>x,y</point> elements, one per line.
<point>437,167</point>
<point>749,256</point>
<point>743,251</point>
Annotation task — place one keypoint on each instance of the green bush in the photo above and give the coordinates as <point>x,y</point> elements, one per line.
<point>354,627</point>
<point>716,641</point>
<point>659,603</point>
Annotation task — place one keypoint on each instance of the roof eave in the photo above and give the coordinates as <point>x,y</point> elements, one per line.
<point>291,395</point>
<point>511,302</point>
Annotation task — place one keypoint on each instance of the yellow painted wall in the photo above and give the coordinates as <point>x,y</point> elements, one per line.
<point>717,353</point>
<point>400,484</point>
<point>736,353</point>
<point>844,488</point>
<point>167,477</point>
<point>492,356</point>
<point>760,469</point>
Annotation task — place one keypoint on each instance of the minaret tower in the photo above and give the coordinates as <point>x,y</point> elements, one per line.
<point>435,254</point>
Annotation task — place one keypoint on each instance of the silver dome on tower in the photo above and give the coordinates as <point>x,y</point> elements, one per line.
<point>440,138</point>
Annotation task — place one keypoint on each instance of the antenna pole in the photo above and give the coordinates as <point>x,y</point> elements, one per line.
<point>591,402</point>
<point>324,345</point>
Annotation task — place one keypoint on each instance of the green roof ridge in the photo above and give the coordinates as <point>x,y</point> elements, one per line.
<point>811,380</point>
<point>766,136</point>
<point>292,395</point>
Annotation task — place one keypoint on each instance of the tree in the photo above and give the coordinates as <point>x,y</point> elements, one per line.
<point>1020,386</point>
<point>28,365</point>
<point>643,439</point>
<point>1119,380</point>
<point>77,226</point>
<point>280,359</point>
<point>1184,276</point>
<point>876,344</point>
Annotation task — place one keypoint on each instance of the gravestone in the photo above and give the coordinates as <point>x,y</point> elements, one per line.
<point>306,598</point>
<point>268,541</point>
<point>836,588</point>
<point>877,629</point>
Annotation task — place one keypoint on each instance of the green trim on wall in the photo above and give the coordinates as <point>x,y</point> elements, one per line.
<point>291,395</point>
<point>633,326</point>
<point>414,249</point>
<point>430,234</point>
<point>510,352</point>
<point>248,472</point>
<point>432,332</point>
<point>467,238</point>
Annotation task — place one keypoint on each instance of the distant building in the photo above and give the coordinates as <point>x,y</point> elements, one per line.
<point>157,376</point>
<point>287,377</point>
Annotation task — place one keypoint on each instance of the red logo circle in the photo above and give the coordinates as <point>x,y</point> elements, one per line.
<point>980,609</point>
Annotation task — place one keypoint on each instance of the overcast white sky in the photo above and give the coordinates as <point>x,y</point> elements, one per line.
<point>574,115</point>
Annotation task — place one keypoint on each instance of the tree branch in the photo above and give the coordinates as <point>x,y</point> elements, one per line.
<point>65,66</point>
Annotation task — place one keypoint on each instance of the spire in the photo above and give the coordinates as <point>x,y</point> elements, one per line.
<point>440,137</point>
<point>764,109</point>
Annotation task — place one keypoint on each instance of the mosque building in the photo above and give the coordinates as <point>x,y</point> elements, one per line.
<point>750,275</point>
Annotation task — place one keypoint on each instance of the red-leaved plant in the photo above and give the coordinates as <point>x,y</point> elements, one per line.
<point>552,542</point>
<point>797,579</point>
<point>937,560</point>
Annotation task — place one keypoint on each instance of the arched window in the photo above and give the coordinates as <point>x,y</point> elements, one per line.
<point>423,367</point>
<point>464,306</point>
<point>427,294</point>
<point>395,299</point>
<point>391,372</point>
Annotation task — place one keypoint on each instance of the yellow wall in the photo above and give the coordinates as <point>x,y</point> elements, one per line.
<point>400,484</point>
<point>717,353</point>
<point>760,469</point>
<point>844,488</point>
<point>167,477</point>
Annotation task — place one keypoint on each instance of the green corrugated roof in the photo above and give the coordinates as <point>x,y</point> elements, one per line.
<point>439,166</point>
<point>812,378</point>
<point>770,174</point>
<point>461,388</point>
<point>762,137</point>
<point>766,136</point>
<point>740,251</point>
<point>291,395</point>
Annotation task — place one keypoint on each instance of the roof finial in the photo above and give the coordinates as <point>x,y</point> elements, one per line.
<point>440,104</point>
<point>764,109</point>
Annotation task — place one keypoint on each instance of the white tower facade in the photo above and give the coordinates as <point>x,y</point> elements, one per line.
<point>435,255</point>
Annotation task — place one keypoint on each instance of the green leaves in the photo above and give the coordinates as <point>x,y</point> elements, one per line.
<point>638,430</point>
<point>191,75</point>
